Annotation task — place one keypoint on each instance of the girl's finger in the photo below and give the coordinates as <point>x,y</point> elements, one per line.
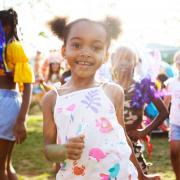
<point>75,145</point>
<point>74,157</point>
<point>74,151</point>
<point>77,139</point>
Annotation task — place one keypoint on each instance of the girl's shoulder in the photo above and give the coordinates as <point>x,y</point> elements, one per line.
<point>114,91</point>
<point>50,97</point>
<point>113,87</point>
<point>64,89</point>
<point>14,44</point>
<point>16,52</point>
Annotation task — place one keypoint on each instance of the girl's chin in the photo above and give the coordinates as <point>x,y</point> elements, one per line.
<point>85,74</point>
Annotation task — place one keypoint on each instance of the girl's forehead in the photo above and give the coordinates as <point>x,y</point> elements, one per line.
<point>85,29</point>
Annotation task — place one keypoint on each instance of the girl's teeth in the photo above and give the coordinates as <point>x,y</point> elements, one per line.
<point>84,63</point>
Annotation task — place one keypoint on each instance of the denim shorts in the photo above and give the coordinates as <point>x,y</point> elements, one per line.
<point>174,133</point>
<point>10,103</point>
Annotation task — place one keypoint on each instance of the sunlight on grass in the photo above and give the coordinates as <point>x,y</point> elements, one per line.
<point>30,163</point>
<point>28,158</point>
<point>160,158</point>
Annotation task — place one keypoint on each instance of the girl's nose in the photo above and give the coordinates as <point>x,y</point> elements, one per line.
<point>85,52</point>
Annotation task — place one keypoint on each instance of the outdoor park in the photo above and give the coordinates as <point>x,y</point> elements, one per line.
<point>31,164</point>
<point>150,29</point>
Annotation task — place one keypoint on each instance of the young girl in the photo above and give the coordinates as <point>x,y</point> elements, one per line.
<point>86,116</point>
<point>136,96</point>
<point>173,87</point>
<point>54,70</point>
<point>14,68</point>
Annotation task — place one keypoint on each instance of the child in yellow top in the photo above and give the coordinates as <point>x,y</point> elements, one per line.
<point>14,68</point>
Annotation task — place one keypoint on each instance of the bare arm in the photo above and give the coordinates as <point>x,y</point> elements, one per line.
<point>56,152</point>
<point>167,100</point>
<point>163,114</point>
<point>19,129</point>
<point>53,152</point>
<point>119,106</point>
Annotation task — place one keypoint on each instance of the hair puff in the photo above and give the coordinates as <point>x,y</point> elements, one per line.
<point>57,26</point>
<point>113,26</point>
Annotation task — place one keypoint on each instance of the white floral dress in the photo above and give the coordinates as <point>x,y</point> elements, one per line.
<point>106,153</point>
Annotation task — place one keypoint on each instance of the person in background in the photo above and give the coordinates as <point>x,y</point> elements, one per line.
<point>38,90</point>
<point>173,88</point>
<point>54,70</point>
<point>137,95</point>
<point>14,68</point>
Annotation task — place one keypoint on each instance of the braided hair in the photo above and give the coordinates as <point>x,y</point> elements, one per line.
<point>10,17</point>
<point>61,27</point>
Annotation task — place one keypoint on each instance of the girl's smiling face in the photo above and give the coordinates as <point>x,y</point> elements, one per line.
<point>86,48</point>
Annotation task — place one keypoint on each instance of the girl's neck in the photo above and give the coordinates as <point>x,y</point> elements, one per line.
<point>82,83</point>
<point>125,81</point>
<point>126,84</point>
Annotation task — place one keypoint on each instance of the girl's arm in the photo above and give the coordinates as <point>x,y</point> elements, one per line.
<point>57,152</point>
<point>118,99</point>
<point>19,129</point>
<point>167,101</point>
<point>167,97</point>
<point>53,152</point>
<point>163,114</point>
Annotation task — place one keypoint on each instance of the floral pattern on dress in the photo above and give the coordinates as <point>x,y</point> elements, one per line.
<point>106,153</point>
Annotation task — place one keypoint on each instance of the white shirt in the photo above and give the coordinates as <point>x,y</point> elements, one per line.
<point>173,86</point>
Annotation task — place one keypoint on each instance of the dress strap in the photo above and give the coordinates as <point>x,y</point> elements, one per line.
<point>102,84</point>
<point>56,87</point>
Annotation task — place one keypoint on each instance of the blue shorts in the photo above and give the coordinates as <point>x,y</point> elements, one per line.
<point>10,102</point>
<point>174,133</point>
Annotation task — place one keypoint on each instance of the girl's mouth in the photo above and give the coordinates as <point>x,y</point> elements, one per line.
<point>84,63</point>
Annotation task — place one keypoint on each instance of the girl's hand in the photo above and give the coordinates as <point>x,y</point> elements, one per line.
<point>20,132</point>
<point>74,147</point>
<point>150,177</point>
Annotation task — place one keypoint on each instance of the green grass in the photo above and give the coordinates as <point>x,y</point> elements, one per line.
<point>30,163</point>
<point>160,158</point>
<point>28,158</point>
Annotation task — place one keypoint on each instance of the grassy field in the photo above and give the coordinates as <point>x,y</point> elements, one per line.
<point>30,163</point>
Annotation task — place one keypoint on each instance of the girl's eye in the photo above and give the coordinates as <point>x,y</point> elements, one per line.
<point>76,45</point>
<point>97,48</point>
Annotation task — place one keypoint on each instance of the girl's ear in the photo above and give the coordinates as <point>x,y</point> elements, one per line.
<point>63,49</point>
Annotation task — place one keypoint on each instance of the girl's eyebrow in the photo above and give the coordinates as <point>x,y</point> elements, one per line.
<point>78,38</point>
<point>98,41</point>
<point>75,38</point>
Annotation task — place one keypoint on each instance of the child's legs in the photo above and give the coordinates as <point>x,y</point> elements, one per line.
<point>175,157</point>
<point>9,109</point>
<point>10,170</point>
<point>139,155</point>
<point>175,149</point>
<point>4,146</point>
